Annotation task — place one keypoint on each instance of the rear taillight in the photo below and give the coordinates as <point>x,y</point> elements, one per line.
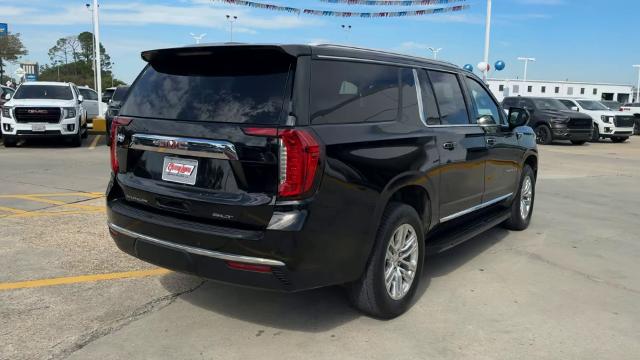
<point>248,267</point>
<point>115,124</point>
<point>299,159</point>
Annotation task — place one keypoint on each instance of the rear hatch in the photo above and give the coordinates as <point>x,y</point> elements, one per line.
<point>190,139</point>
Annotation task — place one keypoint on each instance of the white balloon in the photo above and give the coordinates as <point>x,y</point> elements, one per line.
<point>483,66</point>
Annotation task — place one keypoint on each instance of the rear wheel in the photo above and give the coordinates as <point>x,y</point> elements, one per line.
<point>578,142</point>
<point>543,135</point>
<point>618,139</point>
<point>595,134</point>
<point>522,205</point>
<point>391,277</point>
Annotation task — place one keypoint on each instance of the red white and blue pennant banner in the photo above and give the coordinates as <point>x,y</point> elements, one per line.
<point>387,14</point>
<point>393,2</point>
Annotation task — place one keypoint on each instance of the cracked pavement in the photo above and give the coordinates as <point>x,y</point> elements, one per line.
<point>568,287</point>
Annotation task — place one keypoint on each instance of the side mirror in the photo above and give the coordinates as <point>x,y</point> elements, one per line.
<point>575,108</point>
<point>80,99</point>
<point>518,117</point>
<point>7,96</point>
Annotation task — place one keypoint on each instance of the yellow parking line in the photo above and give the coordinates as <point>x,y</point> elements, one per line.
<point>12,210</point>
<point>82,279</point>
<point>53,213</point>
<point>54,202</point>
<point>87,194</point>
<point>95,142</point>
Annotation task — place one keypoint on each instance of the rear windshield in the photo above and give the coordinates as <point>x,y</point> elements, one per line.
<point>120,92</point>
<point>230,87</point>
<point>53,92</point>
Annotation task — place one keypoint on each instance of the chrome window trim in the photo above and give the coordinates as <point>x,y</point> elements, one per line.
<point>474,208</point>
<point>197,251</point>
<point>214,149</point>
<point>416,81</point>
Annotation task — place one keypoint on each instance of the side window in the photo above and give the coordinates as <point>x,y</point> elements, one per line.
<point>351,92</point>
<point>527,104</point>
<point>453,109</point>
<point>568,103</point>
<point>432,117</point>
<point>508,103</point>
<point>482,101</point>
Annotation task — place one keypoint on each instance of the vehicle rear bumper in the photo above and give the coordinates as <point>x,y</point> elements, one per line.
<point>572,134</point>
<point>206,250</point>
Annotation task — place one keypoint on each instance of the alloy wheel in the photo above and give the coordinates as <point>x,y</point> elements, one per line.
<point>401,261</point>
<point>526,197</point>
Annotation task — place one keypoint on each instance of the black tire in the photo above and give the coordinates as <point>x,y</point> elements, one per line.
<point>370,294</point>
<point>76,140</point>
<point>619,139</point>
<point>595,134</point>
<point>578,142</point>
<point>85,132</point>
<point>517,221</point>
<point>544,136</point>
<point>10,142</point>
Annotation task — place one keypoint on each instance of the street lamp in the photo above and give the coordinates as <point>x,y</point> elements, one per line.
<point>231,20</point>
<point>96,52</point>
<point>435,52</point>
<point>197,38</point>
<point>347,29</point>
<point>638,86</point>
<point>526,63</point>
<point>487,37</point>
<point>93,49</point>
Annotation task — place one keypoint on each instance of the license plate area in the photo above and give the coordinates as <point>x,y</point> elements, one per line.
<point>38,127</point>
<point>180,170</point>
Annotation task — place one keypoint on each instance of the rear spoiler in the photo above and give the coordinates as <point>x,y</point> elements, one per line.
<point>211,49</point>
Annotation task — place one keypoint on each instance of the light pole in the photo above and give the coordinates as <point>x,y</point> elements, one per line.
<point>93,48</point>
<point>638,86</point>
<point>347,29</point>
<point>526,63</point>
<point>487,37</point>
<point>197,38</point>
<point>435,52</point>
<point>232,19</point>
<point>96,52</point>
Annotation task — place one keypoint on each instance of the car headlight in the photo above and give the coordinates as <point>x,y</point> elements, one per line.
<point>607,119</point>
<point>69,112</point>
<point>6,112</point>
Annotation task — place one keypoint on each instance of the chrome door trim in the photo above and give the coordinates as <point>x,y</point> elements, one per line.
<point>475,208</point>
<point>215,149</point>
<point>416,81</point>
<point>197,251</point>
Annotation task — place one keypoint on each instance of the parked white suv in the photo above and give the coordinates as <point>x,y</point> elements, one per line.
<point>616,125</point>
<point>44,109</point>
<point>91,103</point>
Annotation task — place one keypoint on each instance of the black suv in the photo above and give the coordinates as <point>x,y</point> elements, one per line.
<point>292,167</point>
<point>551,120</point>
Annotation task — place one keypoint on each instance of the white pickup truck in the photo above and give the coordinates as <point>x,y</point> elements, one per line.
<point>615,125</point>
<point>44,110</point>
<point>633,108</point>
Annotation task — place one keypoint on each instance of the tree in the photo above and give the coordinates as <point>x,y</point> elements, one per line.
<point>11,48</point>
<point>72,60</point>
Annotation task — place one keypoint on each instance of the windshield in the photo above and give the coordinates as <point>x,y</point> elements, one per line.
<point>53,92</point>
<point>88,94</point>
<point>592,105</point>
<point>119,94</point>
<point>549,104</point>
<point>230,88</point>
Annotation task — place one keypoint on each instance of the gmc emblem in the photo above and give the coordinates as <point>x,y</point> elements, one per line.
<point>169,144</point>
<point>37,111</point>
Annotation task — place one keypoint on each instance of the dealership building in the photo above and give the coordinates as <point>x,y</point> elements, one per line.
<point>572,89</point>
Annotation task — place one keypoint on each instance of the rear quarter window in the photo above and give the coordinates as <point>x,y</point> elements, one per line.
<point>353,92</point>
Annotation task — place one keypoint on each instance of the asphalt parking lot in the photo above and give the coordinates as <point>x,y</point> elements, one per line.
<point>567,288</point>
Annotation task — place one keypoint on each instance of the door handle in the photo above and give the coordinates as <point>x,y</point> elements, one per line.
<point>450,145</point>
<point>491,141</point>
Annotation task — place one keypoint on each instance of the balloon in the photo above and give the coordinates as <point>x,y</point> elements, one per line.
<point>499,65</point>
<point>483,66</point>
<point>468,67</point>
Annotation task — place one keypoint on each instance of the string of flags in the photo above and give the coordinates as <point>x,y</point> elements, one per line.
<point>386,14</point>
<point>393,2</point>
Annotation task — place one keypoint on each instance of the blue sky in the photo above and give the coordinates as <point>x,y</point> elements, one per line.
<point>588,40</point>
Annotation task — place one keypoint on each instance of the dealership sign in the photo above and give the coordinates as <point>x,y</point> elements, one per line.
<point>4,29</point>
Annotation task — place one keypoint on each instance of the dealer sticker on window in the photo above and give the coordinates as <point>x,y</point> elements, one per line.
<point>179,170</point>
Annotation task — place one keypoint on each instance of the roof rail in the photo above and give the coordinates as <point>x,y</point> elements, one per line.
<point>386,52</point>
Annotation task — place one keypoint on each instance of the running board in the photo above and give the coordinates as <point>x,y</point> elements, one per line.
<point>445,240</point>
